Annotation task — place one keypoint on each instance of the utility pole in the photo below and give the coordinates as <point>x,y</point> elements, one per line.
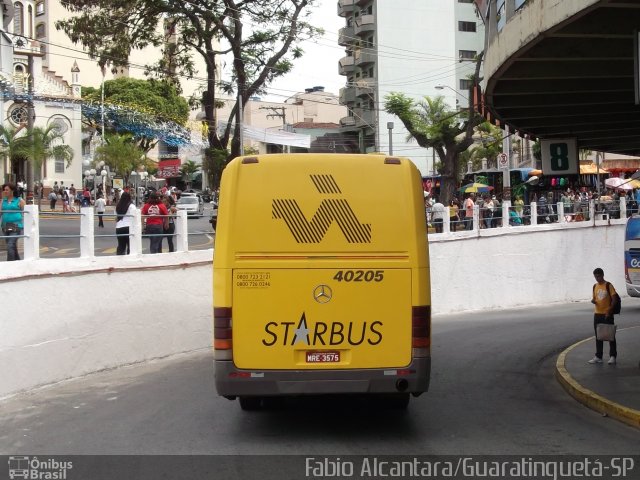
<point>241,122</point>
<point>282,115</point>
<point>31,51</point>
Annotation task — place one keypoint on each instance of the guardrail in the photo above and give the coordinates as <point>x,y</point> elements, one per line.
<point>552,215</point>
<point>31,232</point>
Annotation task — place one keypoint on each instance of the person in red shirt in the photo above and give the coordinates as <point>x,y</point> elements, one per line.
<point>154,217</point>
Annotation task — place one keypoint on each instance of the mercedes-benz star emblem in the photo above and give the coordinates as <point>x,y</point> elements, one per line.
<point>322,293</point>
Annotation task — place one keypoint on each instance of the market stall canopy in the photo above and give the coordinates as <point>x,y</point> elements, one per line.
<point>591,169</point>
<point>618,183</point>
<point>475,188</point>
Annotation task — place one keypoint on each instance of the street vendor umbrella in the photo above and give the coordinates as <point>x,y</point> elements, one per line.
<point>618,183</point>
<point>475,188</point>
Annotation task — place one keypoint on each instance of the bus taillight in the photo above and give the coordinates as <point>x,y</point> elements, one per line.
<point>421,330</point>
<point>222,336</point>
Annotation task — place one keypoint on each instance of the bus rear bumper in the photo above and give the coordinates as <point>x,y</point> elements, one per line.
<point>232,382</point>
<point>633,290</point>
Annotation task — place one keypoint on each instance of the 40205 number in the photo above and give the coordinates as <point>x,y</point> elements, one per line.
<point>359,275</point>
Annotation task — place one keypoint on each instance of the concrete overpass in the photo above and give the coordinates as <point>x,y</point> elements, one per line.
<point>564,68</point>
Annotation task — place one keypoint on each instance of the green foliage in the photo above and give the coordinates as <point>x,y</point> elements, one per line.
<point>110,29</point>
<point>43,143</point>
<point>488,144</point>
<point>10,143</point>
<point>187,170</point>
<point>157,100</point>
<point>536,150</point>
<point>433,125</point>
<point>213,164</point>
<point>121,154</point>
<point>34,145</point>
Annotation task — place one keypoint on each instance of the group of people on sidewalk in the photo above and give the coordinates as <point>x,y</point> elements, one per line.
<point>158,214</point>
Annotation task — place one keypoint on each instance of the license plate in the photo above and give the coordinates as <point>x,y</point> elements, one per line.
<point>323,357</point>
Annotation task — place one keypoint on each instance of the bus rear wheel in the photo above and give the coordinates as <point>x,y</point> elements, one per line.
<point>250,403</point>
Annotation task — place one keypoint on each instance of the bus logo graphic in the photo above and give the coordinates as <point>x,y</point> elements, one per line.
<point>18,467</point>
<point>330,210</point>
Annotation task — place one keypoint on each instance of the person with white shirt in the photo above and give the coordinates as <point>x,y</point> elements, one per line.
<point>437,215</point>
<point>101,206</point>
<point>125,209</point>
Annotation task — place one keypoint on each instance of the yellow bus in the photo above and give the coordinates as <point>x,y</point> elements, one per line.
<point>321,278</point>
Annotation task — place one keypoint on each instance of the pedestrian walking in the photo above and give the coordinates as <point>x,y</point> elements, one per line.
<point>605,300</point>
<point>101,206</point>
<point>65,201</point>
<point>437,215</point>
<point>468,211</point>
<point>454,216</point>
<point>12,219</point>
<point>53,198</point>
<point>125,209</point>
<point>86,197</point>
<point>154,215</point>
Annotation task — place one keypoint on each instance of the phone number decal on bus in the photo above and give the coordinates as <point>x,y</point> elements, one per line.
<point>253,279</point>
<point>359,275</point>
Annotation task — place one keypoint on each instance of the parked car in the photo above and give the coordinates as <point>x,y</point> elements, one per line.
<point>192,204</point>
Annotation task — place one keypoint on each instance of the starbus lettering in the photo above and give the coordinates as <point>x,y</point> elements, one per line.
<point>322,333</point>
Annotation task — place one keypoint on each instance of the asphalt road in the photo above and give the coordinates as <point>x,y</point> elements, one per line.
<point>493,391</point>
<point>59,236</point>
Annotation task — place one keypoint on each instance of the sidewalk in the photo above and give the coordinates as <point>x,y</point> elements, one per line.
<point>609,389</point>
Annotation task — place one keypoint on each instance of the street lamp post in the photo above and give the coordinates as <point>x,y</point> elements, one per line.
<point>135,175</point>
<point>104,173</point>
<point>92,175</point>
<point>390,127</point>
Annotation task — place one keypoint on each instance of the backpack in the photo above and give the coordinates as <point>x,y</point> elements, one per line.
<point>617,304</point>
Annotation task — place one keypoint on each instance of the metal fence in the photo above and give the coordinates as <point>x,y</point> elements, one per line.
<point>508,216</point>
<point>31,232</point>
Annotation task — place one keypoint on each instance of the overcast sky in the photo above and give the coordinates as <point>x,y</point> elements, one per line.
<point>319,65</point>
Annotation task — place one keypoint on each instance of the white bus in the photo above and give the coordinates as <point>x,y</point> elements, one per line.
<point>632,256</point>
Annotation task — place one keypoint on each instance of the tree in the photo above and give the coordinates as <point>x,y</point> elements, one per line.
<point>40,144</point>
<point>187,170</point>
<point>432,125</point>
<point>10,144</point>
<point>489,144</point>
<point>260,36</point>
<point>35,145</point>
<point>154,99</point>
<point>121,154</point>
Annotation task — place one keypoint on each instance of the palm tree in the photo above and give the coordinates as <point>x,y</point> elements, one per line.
<point>121,154</point>
<point>187,170</point>
<point>10,145</point>
<point>40,144</point>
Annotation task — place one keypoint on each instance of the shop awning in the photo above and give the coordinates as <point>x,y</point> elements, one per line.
<point>591,169</point>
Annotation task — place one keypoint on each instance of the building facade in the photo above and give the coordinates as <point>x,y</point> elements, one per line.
<point>313,112</point>
<point>55,100</point>
<point>424,48</point>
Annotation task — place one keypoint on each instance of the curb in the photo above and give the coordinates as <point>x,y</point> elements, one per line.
<point>591,399</point>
